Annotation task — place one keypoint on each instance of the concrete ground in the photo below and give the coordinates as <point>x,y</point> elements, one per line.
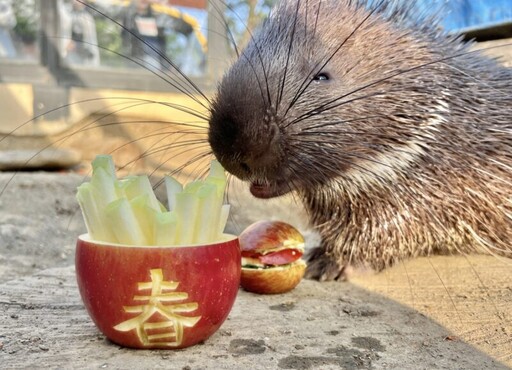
<point>430,313</point>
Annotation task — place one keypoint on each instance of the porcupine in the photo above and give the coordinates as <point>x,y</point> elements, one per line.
<point>396,136</point>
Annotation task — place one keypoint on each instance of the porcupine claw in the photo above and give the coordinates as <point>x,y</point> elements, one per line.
<point>322,267</point>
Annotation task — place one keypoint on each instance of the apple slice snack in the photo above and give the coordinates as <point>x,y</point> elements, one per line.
<point>126,211</point>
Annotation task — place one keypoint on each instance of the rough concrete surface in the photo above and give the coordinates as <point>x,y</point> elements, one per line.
<point>429,313</point>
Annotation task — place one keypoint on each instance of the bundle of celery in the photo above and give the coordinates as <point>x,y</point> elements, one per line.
<point>126,211</point>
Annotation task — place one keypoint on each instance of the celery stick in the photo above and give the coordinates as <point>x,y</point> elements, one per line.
<point>164,231</point>
<point>172,187</point>
<point>162,207</point>
<point>140,185</point>
<point>193,187</point>
<point>216,170</point>
<point>223,220</point>
<point>186,209</point>
<point>122,221</point>
<point>105,162</point>
<point>94,217</point>
<point>145,215</point>
<point>121,185</point>
<point>219,183</point>
<point>207,217</point>
<point>104,187</point>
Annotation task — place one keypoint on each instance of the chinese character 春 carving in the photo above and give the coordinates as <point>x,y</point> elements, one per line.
<point>160,321</point>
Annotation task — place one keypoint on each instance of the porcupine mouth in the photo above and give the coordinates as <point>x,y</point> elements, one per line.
<point>267,190</point>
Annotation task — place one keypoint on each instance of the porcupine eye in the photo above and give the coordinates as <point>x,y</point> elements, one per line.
<point>322,77</point>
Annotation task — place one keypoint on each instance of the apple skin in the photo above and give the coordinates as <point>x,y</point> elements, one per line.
<point>267,236</point>
<point>274,280</point>
<point>109,276</point>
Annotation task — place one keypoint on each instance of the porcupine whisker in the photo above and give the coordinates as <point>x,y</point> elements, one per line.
<point>316,18</point>
<point>185,144</point>
<point>193,160</point>
<point>305,130</point>
<point>474,78</point>
<point>231,37</point>
<point>152,134</point>
<point>369,159</point>
<point>306,19</point>
<point>161,180</point>
<point>154,49</point>
<point>379,150</point>
<point>231,192</point>
<point>300,166</point>
<point>258,51</point>
<point>327,106</point>
<point>154,149</point>
<point>332,138</point>
<point>153,122</point>
<point>66,137</point>
<point>141,102</point>
<point>446,290</point>
<point>125,165</point>
<point>282,79</point>
<point>357,165</point>
<point>166,76</point>
<point>316,166</point>
<point>409,282</point>
<point>92,125</point>
<point>483,285</point>
<point>484,244</point>
<point>501,164</point>
<point>65,106</point>
<point>200,167</point>
<point>308,80</point>
<point>325,138</point>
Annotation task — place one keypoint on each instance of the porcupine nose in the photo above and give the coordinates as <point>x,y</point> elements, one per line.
<point>245,153</point>
<point>257,154</point>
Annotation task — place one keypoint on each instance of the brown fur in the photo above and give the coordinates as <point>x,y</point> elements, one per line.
<point>406,150</point>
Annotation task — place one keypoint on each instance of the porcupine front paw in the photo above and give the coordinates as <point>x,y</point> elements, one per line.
<point>323,267</point>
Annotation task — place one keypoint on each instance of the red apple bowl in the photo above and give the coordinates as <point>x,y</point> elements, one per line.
<point>158,297</point>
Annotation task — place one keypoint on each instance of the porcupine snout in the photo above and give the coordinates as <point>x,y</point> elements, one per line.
<point>249,148</point>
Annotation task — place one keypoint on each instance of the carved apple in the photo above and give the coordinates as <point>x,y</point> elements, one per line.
<point>158,297</point>
<point>271,257</point>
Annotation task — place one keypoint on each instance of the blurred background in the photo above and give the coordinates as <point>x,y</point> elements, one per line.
<point>69,72</point>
